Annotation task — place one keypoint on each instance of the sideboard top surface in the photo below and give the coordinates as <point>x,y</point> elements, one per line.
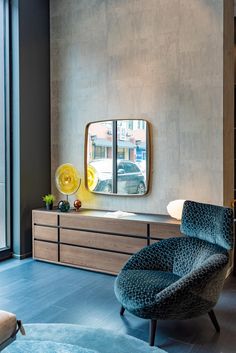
<point>139,217</point>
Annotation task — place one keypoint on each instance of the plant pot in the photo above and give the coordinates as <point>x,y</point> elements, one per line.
<point>49,206</point>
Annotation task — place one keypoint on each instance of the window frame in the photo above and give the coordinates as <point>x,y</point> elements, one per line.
<point>6,251</point>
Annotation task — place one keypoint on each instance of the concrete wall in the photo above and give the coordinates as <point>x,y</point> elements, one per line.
<point>158,59</point>
<point>30,116</point>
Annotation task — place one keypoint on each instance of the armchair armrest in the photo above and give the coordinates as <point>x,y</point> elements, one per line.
<point>9,327</point>
<point>195,292</point>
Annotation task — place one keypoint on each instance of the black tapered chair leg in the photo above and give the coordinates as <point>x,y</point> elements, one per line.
<point>214,320</point>
<point>153,326</point>
<point>122,310</point>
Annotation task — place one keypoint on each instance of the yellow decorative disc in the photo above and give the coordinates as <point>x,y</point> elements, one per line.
<point>67,179</point>
<point>92,178</point>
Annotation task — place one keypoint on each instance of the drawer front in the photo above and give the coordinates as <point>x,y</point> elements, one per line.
<point>92,259</point>
<point>46,218</point>
<point>164,231</point>
<point>45,251</point>
<point>118,226</point>
<point>102,241</point>
<point>45,233</point>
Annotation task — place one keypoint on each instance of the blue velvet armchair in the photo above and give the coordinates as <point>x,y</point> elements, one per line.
<point>180,278</point>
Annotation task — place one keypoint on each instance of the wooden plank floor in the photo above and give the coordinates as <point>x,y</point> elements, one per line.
<point>41,292</point>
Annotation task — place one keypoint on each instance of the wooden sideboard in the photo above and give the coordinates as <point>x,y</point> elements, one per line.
<point>90,240</point>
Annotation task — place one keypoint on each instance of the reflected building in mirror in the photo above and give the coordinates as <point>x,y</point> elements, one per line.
<point>131,140</point>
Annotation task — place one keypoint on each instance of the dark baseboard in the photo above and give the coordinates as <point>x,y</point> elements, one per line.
<point>22,256</point>
<point>5,254</point>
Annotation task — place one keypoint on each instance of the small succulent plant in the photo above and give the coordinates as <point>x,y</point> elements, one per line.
<point>48,199</point>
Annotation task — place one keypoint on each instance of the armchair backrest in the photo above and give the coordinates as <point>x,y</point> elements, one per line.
<point>208,222</point>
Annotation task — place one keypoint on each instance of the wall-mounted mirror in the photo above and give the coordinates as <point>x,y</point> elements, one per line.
<point>117,157</point>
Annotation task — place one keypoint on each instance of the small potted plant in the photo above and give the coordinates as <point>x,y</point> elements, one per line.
<point>49,199</point>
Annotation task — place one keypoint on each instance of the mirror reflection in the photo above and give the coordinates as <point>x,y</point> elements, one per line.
<point>116,157</point>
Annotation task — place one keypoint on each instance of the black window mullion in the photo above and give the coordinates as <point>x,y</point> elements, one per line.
<point>114,157</point>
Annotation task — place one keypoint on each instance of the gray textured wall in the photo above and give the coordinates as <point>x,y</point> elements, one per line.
<point>157,59</point>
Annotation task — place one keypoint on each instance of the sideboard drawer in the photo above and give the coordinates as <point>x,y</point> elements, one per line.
<point>45,251</point>
<point>47,218</point>
<point>92,259</point>
<point>164,231</point>
<point>107,225</point>
<point>46,233</point>
<point>102,241</point>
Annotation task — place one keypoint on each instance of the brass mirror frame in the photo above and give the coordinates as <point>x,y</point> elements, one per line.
<point>148,157</point>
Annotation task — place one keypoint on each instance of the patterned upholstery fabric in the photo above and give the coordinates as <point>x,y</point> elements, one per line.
<point>176,278</point>
<point>208,222</point>
<point>138,289</point>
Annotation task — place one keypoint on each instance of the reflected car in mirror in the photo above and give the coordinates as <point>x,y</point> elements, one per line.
<point>130,179</point>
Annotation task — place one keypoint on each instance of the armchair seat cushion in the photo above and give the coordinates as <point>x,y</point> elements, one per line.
<point>137,289</point>
<point>8,325</point>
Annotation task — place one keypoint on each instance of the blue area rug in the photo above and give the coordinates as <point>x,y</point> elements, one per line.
<point>66,338</point>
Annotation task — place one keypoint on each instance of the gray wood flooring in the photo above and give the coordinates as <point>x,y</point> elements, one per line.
<point>40,292</point>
